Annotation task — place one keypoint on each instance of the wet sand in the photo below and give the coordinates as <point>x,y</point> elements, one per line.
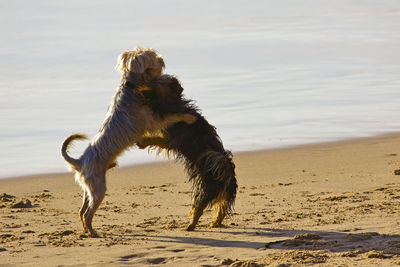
<point>331,204</point>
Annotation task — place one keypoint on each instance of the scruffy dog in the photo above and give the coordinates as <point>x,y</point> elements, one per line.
<point>208,164</point>
<point>127,121</point>
<point>143,61</point>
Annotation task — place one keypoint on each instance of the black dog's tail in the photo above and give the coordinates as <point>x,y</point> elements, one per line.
<point>74,163</point>
<point>217,180</point>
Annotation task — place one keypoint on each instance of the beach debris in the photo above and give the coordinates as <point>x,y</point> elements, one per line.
<point>3,249</point>
<point>397,172</point>
<point>23,204</point>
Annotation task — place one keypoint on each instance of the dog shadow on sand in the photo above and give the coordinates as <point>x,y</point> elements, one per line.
<point>350,244</point>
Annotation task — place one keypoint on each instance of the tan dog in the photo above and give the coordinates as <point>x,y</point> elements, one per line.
<point>127,120</point>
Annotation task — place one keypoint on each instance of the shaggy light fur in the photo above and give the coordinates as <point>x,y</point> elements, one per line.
<point>127,121</point>
<point>144,61</point>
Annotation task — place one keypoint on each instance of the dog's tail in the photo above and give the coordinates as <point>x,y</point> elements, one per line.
<point>75,163</point>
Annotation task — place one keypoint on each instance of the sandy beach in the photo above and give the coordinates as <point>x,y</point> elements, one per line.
<point>331,204</point>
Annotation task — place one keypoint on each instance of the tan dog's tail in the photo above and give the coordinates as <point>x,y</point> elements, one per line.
<point>75,163</point>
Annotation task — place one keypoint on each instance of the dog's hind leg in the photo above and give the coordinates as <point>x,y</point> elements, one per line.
<point>196,212</point>
<point>97,196</point>
<point>223,203</point>
<point>220,207</point>
<point>83,209</point>
<point>200,203</point>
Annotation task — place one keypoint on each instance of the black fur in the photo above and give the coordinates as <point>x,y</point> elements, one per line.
<point>210,167</point>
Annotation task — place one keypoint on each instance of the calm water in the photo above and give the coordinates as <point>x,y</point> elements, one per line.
<point>267,74</point>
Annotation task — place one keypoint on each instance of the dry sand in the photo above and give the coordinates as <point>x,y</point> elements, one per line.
<point>334,204</point>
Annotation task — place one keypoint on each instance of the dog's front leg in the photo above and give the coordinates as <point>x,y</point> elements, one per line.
<point>175,118</point>
<point>152,141</point>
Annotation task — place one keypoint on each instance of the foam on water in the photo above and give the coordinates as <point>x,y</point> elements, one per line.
<point>266,74</point>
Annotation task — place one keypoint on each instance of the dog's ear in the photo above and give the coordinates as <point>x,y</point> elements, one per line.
<point>161,62</point>
<point>122,64</point>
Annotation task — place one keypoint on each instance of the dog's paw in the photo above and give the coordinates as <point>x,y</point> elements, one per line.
<point>189,119</point>
<point>190,227</point>
<point>94,234</point>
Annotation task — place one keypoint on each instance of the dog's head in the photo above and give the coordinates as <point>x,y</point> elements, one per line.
<point>145,62</point>
<point>163,95</point>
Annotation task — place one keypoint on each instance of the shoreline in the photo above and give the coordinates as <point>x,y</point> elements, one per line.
<point>239,153</point>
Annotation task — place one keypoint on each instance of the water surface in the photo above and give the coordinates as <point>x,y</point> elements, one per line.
<point>266,74</point>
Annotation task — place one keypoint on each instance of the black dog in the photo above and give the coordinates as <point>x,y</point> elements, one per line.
<point>198,146</point>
